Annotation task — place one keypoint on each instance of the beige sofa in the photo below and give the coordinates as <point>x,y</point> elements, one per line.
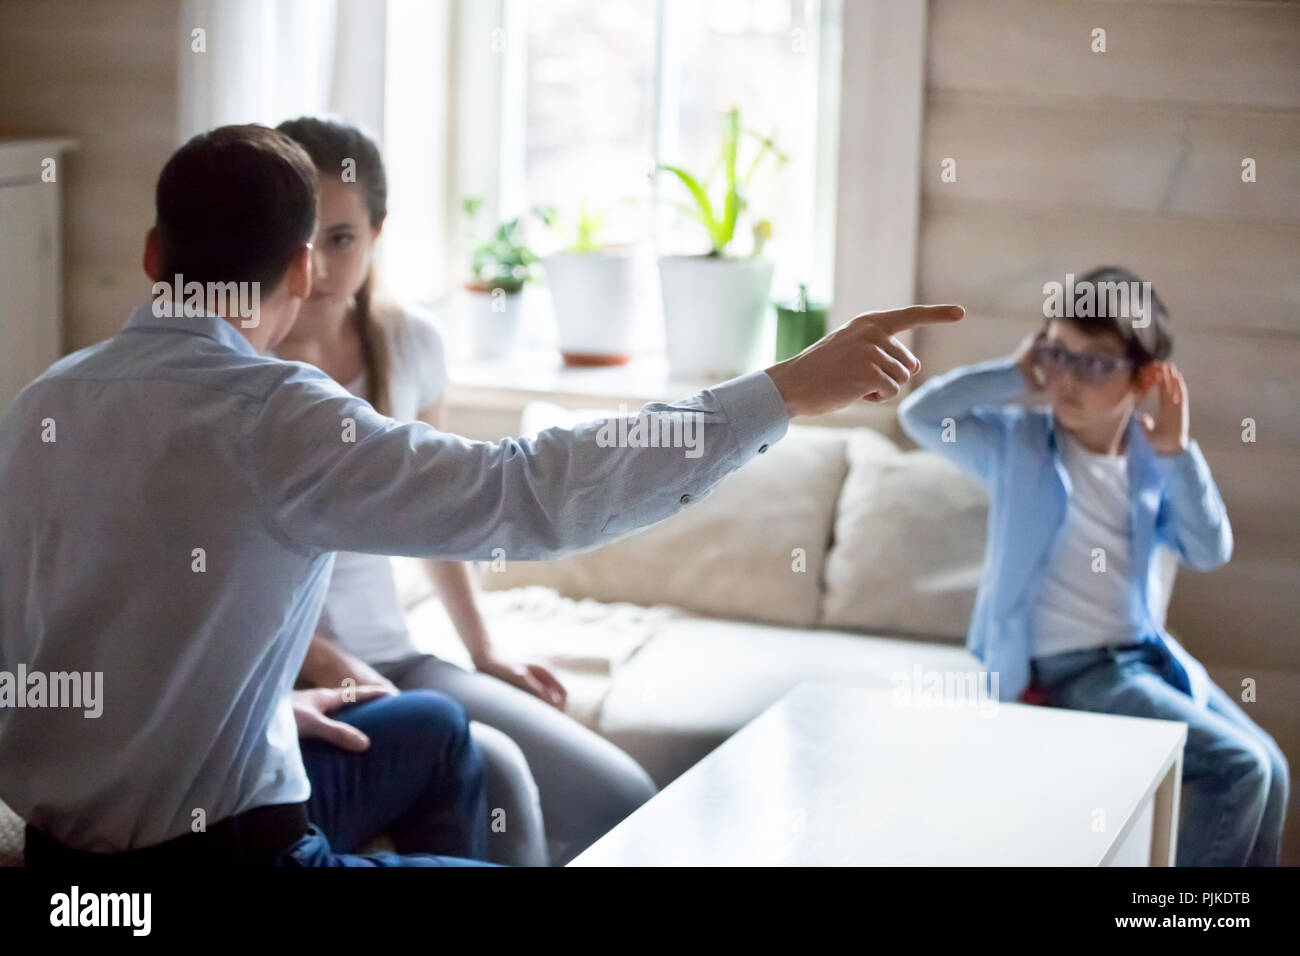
<point>834,556</point>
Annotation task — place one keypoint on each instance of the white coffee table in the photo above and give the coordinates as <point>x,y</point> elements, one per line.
<point>835,774</point>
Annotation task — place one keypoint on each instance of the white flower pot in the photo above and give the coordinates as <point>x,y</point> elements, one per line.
<point>714,313</point>
<point>595,295</point>
<point>493,320</point>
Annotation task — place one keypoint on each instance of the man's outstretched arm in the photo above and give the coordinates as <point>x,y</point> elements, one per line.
<point>331,474</point>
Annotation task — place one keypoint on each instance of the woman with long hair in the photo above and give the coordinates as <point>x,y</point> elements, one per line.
<point>553,786</point>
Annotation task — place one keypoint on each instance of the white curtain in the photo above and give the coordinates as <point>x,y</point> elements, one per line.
<point>382,64</point>
<point>263,61</point>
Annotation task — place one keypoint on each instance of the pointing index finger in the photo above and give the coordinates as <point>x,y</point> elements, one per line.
<point>899,320</point>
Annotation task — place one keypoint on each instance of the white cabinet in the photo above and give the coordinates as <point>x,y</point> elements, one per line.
<point>31,280</point>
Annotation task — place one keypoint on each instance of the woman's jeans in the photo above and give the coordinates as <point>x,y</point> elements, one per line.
<point>420,783</point>
<point>1235,779</point>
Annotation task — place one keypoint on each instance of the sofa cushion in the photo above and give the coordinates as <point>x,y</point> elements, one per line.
<point>753,549</point>
<point>583,641</point>
<point>698,681</point>
<point>909,544</point>
<point>908,547</point>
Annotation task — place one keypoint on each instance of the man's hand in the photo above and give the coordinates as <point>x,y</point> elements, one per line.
<point>1169,431</point>
<point>860,359</point>
<point>534,679</point>
<point>310,708</point>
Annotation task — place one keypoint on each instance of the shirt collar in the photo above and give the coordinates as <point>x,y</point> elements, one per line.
<point>1141,457</point>
<point>207,325</point>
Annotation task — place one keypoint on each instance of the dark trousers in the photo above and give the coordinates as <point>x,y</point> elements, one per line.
<point>420,783</point>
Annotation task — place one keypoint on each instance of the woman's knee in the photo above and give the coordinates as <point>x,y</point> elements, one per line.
<point>625,783</point>
<point>504,761</point>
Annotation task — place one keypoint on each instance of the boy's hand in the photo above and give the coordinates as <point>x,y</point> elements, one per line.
<point>1035,378</point>
<point>1168,431</point>
<point>860,359</point>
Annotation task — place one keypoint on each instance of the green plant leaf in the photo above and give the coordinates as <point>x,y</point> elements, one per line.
<point>731,204</point>
<point>704,208</point>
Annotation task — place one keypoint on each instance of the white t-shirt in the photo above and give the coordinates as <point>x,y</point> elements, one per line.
<point>1080,605</point>
<point>362,612</point>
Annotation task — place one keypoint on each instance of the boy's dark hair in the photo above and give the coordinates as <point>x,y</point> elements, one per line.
<point>235,204</point>
<point>1150,342</point>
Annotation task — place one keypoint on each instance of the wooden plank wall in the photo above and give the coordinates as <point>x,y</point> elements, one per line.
<point>105,74</point>
<point>1067,159</point>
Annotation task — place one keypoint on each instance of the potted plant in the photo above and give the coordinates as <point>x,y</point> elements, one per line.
<point>595,288</point>
<point>715,304</point>
<point>799,323</point>
<point>500,264</point>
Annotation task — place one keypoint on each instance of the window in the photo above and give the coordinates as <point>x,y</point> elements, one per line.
<point>611,87</point>
<point>558,102</point>
<point>589,109</point>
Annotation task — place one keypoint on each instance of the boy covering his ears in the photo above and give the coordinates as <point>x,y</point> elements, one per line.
<point>1082,492</point>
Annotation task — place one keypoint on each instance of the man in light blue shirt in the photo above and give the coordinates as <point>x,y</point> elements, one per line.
<point>173,499</point>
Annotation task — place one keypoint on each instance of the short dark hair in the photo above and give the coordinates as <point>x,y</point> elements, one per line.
<point>1151,342</point>
<point>235,204</point>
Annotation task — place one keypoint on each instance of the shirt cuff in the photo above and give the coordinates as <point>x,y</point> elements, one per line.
<point>1188,467</point>
<point>755,410</point>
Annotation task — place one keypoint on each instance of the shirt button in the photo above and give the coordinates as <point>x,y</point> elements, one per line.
<point>684,499</point>
<point>761,449</point>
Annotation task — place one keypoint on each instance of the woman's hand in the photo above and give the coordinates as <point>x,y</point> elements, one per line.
<point>328,665</point>
<point>1169,431</point>
<point>310,708</point>
<point>535,679</point>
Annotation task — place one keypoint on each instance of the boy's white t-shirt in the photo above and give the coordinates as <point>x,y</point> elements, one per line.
<point>1079,605</point>
<point>362,612</point>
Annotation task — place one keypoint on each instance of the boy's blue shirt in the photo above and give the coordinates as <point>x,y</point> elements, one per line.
<point>1014,452</point>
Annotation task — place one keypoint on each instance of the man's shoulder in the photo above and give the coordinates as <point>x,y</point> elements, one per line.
<point>188,362</point>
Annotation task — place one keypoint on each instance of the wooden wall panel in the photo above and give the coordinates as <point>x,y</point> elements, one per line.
<point>1067,159</point>
<point>1137,158</point>
<point>1243,614</point>
<point>1212,274</point>
<point>103,73</point>
<point>1221,54</point>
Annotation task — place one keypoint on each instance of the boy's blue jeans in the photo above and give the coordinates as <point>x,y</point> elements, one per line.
<point>420,782</point>
<point>1235,779</point>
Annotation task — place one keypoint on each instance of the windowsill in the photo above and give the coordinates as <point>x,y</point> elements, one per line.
<point>539,374</point>
<point>535,371</point>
